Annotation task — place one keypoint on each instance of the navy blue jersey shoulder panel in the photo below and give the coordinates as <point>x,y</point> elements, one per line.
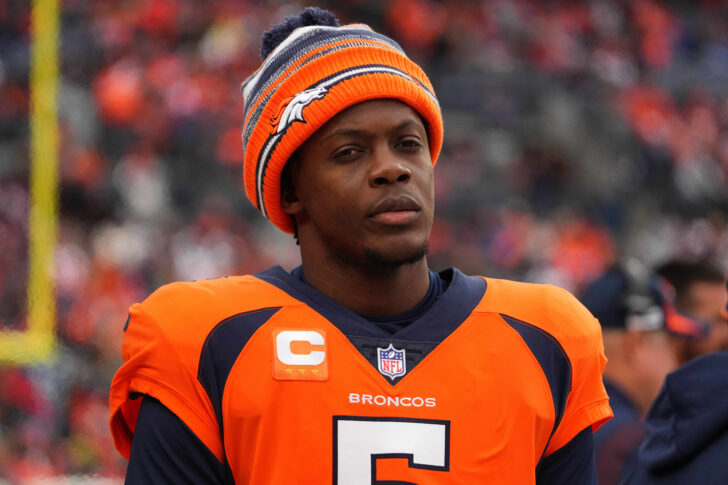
<point>221,349</point>
<point>450,310</point>
<point>553,360</point>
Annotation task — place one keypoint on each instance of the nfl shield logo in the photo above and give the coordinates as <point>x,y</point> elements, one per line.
<point>391,361</point>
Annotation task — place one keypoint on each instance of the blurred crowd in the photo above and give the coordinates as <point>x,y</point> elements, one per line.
<point>577,133</point>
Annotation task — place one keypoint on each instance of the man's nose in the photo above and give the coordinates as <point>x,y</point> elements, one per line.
<point>388,168</point>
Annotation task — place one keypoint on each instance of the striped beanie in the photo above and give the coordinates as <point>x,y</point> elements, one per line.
<point>312,70</point>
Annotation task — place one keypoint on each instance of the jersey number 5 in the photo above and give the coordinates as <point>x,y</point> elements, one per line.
<point>360,441</point>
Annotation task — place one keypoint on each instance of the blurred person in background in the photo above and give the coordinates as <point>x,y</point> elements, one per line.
<point>699,288</point>
<point>687,425</point>
<point>638,324</point>
<point>362,356</point>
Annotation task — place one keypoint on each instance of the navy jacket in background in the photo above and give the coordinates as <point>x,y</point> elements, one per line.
<point>687,428</point>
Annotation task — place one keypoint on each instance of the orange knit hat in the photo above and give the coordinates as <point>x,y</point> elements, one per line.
<point>311,75</point>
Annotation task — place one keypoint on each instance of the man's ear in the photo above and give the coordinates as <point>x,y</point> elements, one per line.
<point>290,202</point>
<point>289,198</point>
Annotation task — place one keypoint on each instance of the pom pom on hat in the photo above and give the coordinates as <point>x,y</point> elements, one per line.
<point>313,69</point>
<point>310,16</point>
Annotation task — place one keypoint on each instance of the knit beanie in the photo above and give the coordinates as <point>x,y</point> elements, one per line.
<point>313,69</point>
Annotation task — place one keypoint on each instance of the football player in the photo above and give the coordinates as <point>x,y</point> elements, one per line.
<point>361,365</point>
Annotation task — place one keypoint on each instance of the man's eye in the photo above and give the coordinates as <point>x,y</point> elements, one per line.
<point>346,153</point>
<point>410,144</point>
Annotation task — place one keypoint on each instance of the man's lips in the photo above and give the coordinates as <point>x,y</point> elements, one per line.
<point>395,211</point>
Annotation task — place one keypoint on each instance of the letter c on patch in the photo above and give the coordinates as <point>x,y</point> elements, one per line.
<point>286,355</point>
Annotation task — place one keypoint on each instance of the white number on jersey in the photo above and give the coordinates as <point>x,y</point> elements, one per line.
<point>360,441</point>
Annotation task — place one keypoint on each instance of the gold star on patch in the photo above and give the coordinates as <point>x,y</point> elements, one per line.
<point>290,371</point>
<point>302,371</point>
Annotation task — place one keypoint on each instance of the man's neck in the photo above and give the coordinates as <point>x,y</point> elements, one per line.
<point>370,293</point>
<point>634,392</point>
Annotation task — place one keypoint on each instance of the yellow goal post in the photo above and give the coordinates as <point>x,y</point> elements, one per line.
<point>36,342</point>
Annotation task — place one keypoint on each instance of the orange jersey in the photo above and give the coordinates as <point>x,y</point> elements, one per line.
<point>286,386</point>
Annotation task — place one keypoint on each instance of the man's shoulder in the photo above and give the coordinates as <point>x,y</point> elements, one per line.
<point>185,309</point>
<point>216,296</point>
<point>192,293</point>
<point>550,308</point>
<point>532,300</point>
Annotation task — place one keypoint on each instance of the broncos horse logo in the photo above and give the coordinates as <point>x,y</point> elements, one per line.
<point>292,109</point>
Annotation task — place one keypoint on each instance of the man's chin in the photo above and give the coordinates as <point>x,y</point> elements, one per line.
<point>381,262</point>
<point>379,259</point>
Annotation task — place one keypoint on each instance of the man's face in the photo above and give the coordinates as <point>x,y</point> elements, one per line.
<point>364,187</point>
<point>707,300</point>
